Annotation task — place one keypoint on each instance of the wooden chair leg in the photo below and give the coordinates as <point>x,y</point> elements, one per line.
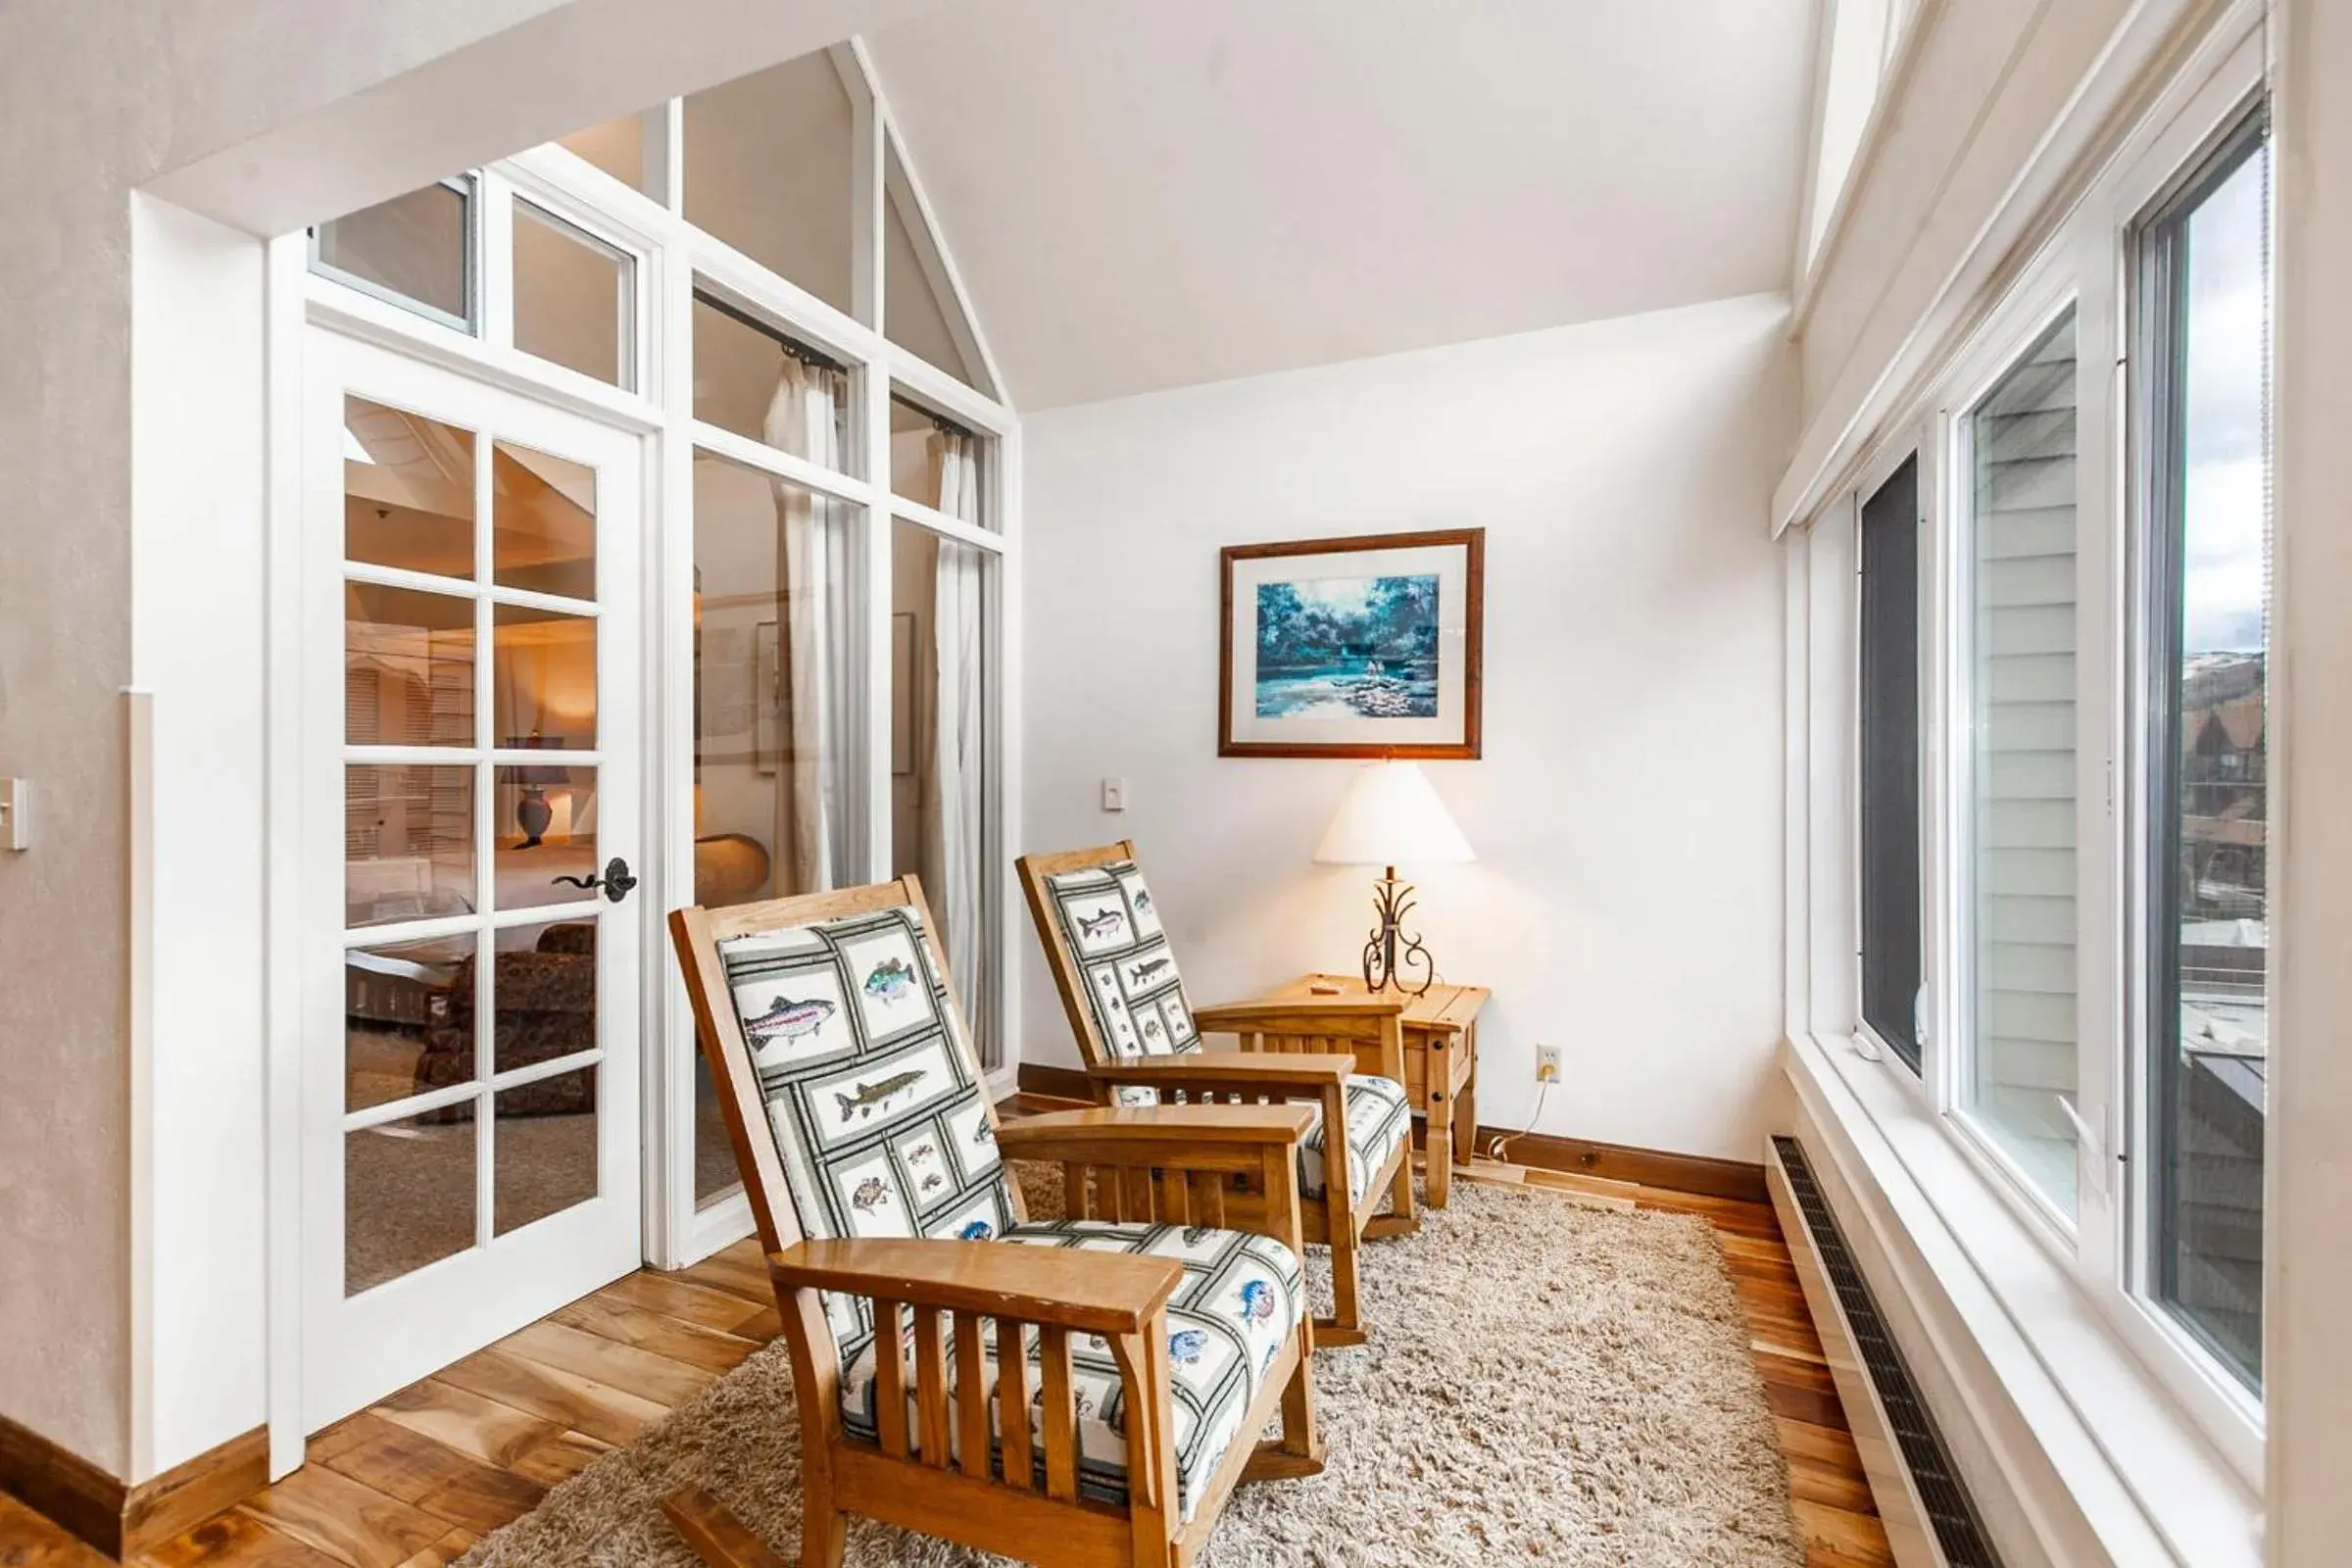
<point>825,1534</point>
<point>1298,1451</point>
<point>1403,1217</point>
<point>720,1539</point>
<point>1345,1325</point>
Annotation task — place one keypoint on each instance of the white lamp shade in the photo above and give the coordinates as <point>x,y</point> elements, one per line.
<point>1392,816</point>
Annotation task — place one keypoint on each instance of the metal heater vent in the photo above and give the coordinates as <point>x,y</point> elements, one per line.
<point>1950,1513</point>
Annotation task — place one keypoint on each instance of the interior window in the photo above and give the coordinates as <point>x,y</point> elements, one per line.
<point>2205,322</point>
<point>2020,1076</point>
<point>767,162</point>
<point>1889,761</point>
<point>415,250</point>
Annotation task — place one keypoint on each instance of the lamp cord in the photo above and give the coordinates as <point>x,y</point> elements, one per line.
<point>1504,1140</point>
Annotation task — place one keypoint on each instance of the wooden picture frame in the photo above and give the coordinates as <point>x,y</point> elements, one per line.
<point>1385,659</point>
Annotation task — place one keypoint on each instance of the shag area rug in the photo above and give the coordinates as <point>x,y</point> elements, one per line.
<point>1545,1382</point>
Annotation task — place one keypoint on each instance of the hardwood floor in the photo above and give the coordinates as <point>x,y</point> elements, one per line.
<point>413,1482</point>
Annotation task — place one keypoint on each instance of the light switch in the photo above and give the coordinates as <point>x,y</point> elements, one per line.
<point>1114,795</point>
<point>16,824</point>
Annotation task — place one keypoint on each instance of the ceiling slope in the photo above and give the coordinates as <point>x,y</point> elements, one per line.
<point>1145,194</point>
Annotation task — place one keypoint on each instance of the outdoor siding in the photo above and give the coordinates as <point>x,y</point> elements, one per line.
<point>2023,571</point>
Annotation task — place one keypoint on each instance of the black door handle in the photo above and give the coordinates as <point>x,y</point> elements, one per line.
<point>617,880</point>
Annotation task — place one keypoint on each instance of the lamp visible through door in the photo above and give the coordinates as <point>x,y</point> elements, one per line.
<point>1390,816</point>
<point>533,812</point>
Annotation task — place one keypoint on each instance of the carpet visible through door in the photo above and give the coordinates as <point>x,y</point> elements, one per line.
<point>1545,1382</point>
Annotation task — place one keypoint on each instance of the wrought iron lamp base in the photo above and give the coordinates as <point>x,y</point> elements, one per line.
<point>1392,953</point>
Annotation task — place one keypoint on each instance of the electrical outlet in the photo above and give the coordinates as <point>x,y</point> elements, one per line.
<point>1114,795</point>
<point>15,814</point>
<point>1547,1064</point>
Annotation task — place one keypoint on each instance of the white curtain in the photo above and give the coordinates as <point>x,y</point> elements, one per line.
<point>954,831</point>
<point>817,554</point>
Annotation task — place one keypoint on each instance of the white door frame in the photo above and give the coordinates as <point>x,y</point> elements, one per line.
<point>357,1349</point>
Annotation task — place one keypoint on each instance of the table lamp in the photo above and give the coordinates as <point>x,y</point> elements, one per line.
<point>1391,817</point>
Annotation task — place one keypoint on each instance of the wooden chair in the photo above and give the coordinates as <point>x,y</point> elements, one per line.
<point>1140,1038</point>
<point>1157,1353</point>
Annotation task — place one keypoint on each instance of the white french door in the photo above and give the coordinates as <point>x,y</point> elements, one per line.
<point>473,828</point>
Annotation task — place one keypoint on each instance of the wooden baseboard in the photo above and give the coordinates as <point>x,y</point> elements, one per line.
<point>1062,1083</point>
<point>119,1519</point>
<point>1701,1174</point>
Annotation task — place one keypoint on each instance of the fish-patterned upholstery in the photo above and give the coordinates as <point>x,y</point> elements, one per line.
<point>1133,989</point>
<point>1136,1000</point>
<point>881,1129</point>
<point>1240,1298</point>
<point>878,1119</point>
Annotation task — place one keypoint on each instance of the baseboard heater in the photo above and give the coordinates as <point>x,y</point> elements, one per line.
<point>1931,1521</point>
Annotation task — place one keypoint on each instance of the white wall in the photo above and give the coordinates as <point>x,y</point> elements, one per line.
<point>197,618</point>
<point>1627,901</point>
<point>2307,1354</point>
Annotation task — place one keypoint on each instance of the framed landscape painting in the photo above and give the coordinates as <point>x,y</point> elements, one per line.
<point>1362,647</point>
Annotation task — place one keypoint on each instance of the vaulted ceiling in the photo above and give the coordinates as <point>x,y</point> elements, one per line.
<point>1152,193</point>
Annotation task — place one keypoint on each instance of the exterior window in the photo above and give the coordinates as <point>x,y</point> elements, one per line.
<point>1890,763</point>
<point>2204,332</point>
<point>415,251</point>
<point>2019,459</point>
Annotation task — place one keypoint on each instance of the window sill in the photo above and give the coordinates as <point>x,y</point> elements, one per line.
<point>2102,1463</point>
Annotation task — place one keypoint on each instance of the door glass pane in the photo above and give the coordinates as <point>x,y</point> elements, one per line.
<point>413,249</point>
<point>1889,772</point>
<point>777,783</point>
<point>543,994</point>
<point>407,843</point>
<point>2021,1058</point>
<point>941,695</point>
<point>543,678</point>
<point>408,490</point>
<point>918,313</point>
<point>575,297</point>
<point>2210,1010</point>
<point>759,383</point>
<point>545,819</point>
<point>407,666</point>
<point>408,1196</point>
<point>767,162</point>
<point>543,522</point>
<point>936,461</point>
<point>402,1009</point>
<point>543,1158</point>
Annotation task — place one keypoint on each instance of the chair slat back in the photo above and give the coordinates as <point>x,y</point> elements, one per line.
<point>702,938</point>
<point>1118,980</point>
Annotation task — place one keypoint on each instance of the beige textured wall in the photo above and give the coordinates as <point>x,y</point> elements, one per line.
<point>268,115</point>
<point>95,100</point>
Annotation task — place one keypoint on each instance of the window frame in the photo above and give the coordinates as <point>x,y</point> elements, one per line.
<point>672,259</point>
<point>2149,783</point>
<point>1876,478</point>
<point>2079,251</point>
<point>472,263</point>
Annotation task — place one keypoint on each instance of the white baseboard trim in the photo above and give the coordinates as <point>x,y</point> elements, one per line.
<point>2076,1457</point>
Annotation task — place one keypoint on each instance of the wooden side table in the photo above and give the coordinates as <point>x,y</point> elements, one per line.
<point>1440,1064</point>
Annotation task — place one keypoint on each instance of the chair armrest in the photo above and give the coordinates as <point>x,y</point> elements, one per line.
<point>1269,1071</point>
<point>1097,1293</point>
<point>1081,1134</point>
<point>1292,1016</point>
<point>1318,1015</point>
